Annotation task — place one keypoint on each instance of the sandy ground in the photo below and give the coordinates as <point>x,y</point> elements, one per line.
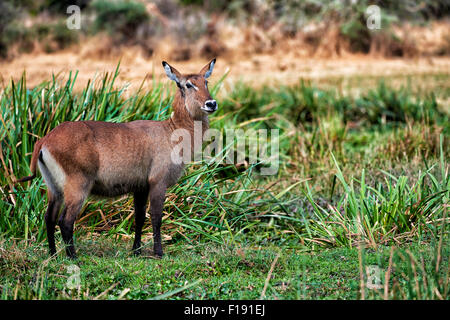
<point>282,68</point>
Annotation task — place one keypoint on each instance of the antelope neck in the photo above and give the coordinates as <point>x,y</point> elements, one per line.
<point>182,119</point>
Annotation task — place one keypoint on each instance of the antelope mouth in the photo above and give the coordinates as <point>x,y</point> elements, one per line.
<point>209,110</point>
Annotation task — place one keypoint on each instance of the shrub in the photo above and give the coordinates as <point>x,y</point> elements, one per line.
<point>60,6</point>
<point>121,18</point>
<point>63,36</point>
<point>7,15</point>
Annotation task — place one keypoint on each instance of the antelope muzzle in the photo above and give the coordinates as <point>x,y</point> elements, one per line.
<point>210,106</point>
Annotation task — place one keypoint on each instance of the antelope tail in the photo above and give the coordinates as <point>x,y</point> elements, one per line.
<point>34,158</point>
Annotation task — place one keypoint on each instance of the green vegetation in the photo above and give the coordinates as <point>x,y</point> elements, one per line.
<point>7,15</point>
<point>50,36</point>
<point>119,18</point>
<point>206,271</point>
<point>357,174</point>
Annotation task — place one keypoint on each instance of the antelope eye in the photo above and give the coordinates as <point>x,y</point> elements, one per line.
<point>189,85</point>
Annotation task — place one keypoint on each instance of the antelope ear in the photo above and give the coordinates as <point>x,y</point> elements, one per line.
<point>208,69</point>
<point>171,72</point>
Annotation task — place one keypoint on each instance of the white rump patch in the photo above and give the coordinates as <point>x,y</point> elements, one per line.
<point>54,175</point>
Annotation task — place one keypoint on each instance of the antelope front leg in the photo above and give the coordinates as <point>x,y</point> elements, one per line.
<point>157,197</point>
<point>140,204</point>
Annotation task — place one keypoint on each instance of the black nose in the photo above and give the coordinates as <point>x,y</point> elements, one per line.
<point>212,104</point>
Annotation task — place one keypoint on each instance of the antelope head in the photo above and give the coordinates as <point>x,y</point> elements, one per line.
<point>194,89</point>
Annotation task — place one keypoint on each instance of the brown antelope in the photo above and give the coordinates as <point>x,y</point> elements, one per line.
<point>111,159</point>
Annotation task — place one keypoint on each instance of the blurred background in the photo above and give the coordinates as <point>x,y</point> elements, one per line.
<point>363,120</point>
<point>260,41</point>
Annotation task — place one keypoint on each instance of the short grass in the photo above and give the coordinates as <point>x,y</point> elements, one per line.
<point>208,271</point>
<point>358,174</point>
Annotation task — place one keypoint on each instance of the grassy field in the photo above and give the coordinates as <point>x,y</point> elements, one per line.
<point>207,271</point>
<point>363,181</point>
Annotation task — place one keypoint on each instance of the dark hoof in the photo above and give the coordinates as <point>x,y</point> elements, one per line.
<point>71,254</point>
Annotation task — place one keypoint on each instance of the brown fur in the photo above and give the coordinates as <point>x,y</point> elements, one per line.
<point>111,159</point>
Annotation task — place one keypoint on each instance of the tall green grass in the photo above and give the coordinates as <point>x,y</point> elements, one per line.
<point>316,198</point>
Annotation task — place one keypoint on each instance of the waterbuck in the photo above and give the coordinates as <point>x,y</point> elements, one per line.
<point>80,158</point>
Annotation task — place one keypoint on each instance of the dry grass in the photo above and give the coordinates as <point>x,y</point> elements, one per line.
<point>254,55</point>
<point>272,69</point>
